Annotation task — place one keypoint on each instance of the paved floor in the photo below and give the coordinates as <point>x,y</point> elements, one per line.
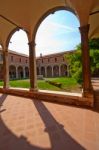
<point>27,124</point>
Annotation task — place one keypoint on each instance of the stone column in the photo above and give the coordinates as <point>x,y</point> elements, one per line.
<point>87,87</point>
<point>5,69</point>
<point>24,73</point>
<point>16,72</point>
<point>32,66</point>
<point>45,71</point>
<point>39,70</point>
<point>59,70</point>
<point>68,71</point>
<point>52,71</point>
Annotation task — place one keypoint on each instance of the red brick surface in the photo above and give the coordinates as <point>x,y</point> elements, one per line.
<point>27,124</point>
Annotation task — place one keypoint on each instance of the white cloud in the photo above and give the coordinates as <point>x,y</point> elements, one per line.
<point>49,29</point>
<point>60,26</point>
<point>49,37</point>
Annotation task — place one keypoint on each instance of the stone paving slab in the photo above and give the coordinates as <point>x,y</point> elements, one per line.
<point>27,124</point>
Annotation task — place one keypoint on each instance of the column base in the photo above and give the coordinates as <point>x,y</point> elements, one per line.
<point>33,89</point>
<point>89,95</point>
<point>6,86</point>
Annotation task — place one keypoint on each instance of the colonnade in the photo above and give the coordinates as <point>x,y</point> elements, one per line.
<point>87,87</point>
<point>18,72</point>
<point>55,70</point>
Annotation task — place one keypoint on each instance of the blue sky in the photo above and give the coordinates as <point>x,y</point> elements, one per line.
<point>58,32</point>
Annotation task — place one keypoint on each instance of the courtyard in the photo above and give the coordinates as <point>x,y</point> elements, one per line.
<point>48,114</point>
<point>67,84</point>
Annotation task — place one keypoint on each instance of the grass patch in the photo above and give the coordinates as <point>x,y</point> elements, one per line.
<point>18,83</point>
<point>43,85</point>
<point>67,84</point>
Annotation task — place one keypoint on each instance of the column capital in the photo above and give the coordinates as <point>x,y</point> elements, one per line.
<point>32,43</point>
<point>5,52</point>
<point>84,29</point>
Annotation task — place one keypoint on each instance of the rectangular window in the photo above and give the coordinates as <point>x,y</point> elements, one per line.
<point>20,60</point>
<point>26,61</point>
<point>55,59</point>
<point>11,58</point>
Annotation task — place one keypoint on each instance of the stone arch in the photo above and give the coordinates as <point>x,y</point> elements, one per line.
<point>56,71</point>
<point>26,72</point>
<point>12,72</point>
<point>49,71</point>
<point>20,72</point>
<point>11,34</point>
<point>47,13</point>
<point>43,71</point>
<point>63,69</point>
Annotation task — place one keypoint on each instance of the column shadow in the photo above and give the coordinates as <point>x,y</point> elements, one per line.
<point>59,138</point>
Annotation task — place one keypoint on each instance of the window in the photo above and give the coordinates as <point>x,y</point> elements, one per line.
<point>55,59</point>
<point>12,58</point>
<point>48,60</point>
<point>26,61</point>
<point>42,60</point>
<point>20,60</point>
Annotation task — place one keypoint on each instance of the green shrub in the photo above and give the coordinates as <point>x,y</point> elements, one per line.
<point>57,84</point>
<point>78,76</point>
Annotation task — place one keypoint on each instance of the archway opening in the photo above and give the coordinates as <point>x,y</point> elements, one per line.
<point>49,71</point>
<point>64,71</point>
<point>12,72</point>
<point>43,71</point>
<point>19,58</point>
<point>56,71</point>
<point>57,36</point>
<point>20,72</point>
<point>27,72</point>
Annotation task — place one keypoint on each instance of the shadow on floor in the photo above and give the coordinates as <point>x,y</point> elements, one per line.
<point>59,138</point>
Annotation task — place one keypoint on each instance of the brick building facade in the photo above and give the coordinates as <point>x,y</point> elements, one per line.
<point>53,65</point>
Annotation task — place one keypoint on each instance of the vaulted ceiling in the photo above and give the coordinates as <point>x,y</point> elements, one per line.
<point>27,14</point>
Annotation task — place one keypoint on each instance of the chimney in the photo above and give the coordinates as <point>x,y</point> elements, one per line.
<point>40,54</point>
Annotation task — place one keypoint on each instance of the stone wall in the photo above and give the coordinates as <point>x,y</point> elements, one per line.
<point>53,65</point>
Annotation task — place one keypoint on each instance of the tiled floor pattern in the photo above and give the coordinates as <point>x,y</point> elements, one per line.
<point>27,124</point>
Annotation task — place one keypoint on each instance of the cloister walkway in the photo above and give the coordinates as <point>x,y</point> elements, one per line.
<point>28,124</point>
